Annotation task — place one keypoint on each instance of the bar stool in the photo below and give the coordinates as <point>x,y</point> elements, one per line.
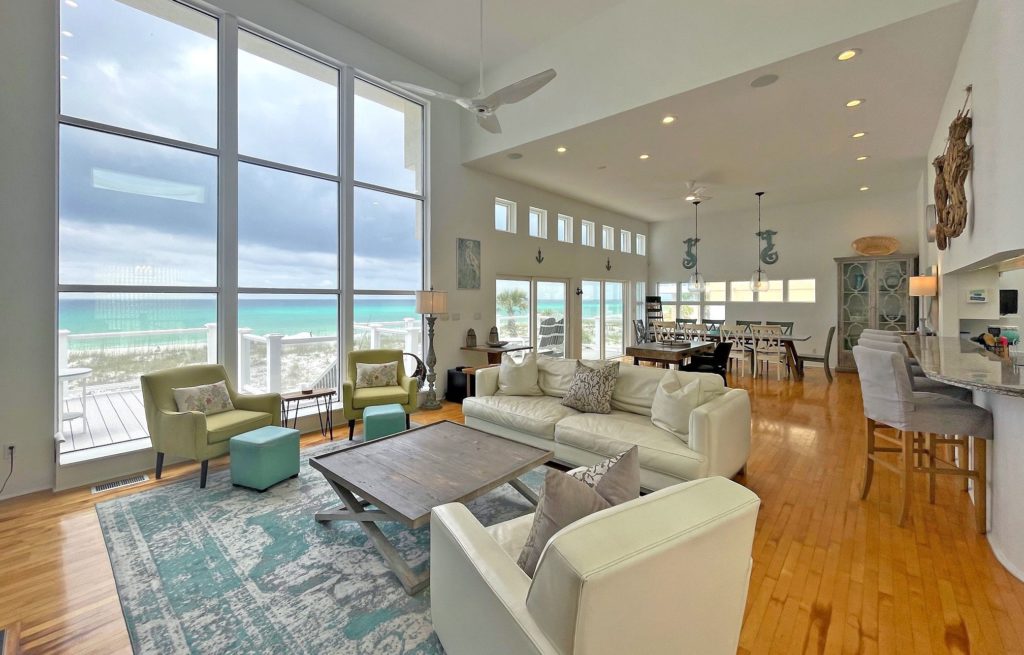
<point>918,381</point>
<point>890,401</point>
<point>892,337</point>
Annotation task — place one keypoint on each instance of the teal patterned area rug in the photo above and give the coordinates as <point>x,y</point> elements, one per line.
<point>228,570</point>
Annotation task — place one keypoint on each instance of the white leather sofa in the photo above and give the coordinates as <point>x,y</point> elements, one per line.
<point>718,442</point>
<point>665,574</point>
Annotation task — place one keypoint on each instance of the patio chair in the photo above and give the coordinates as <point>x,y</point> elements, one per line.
<point>194,435</point>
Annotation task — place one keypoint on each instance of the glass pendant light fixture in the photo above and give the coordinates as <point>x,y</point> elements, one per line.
<point>696,281</point>
<point>759,280</point>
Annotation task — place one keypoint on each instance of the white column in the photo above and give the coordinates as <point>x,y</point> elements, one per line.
<point>62,348</point>
<point>274,362</point>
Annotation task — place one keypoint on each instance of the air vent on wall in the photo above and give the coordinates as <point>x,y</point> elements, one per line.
<point>117,484</point>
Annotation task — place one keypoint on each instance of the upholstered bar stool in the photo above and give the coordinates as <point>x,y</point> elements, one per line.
<point>892,337</point>
<point>890,401</point>
<point>918,382</point>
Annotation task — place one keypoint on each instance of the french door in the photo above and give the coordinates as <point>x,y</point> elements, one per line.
<point>603,319</point>
<point>533,311</point>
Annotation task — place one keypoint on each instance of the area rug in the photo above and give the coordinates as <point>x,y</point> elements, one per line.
<point>229,570</point>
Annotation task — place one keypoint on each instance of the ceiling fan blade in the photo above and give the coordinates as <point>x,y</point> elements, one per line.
<point>519,90</point>
<point>429,93</point>
<point>489,122</point>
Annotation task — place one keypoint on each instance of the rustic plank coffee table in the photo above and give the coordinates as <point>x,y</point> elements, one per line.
<point>405,475</point>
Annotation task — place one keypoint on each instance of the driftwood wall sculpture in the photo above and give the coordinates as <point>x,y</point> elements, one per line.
<point>951,169</point>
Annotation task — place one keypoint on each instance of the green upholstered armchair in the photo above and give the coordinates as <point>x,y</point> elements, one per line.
<point>354,401</point>
<point>194,435</point>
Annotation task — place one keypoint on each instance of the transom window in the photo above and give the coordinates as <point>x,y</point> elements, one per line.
<point>608,237</point>
<point>800,290</point>
<point>565,228</point>
<point>538,223</point>
<point>625,241</point>
<point>641,245</point>
<point>587,233</point>
<point>504,215</point>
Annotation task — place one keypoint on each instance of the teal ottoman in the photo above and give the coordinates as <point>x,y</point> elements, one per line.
<point>263,457</point>
<point>382,421</point>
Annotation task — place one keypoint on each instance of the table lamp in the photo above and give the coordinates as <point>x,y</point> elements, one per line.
<point>924,286</point>
<point>431,304</point>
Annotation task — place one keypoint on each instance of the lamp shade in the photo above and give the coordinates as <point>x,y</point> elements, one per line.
<point>923,285</point>
<point>431,302</point>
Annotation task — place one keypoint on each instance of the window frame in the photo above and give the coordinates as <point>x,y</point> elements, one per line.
<point>607,237</point>
<point>227,290</point>
<point>641,244</point>
<point>625,241</point>
<point>510,208</point>
<point>813,290</point>
<point>542,223</point>
<point>566,221</point>
<point>773,286</point>
<point>588,233</point>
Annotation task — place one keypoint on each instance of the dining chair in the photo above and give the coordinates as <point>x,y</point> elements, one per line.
<point>745,325</point>
<point>787,326</point>
<point>918,419</point>
<point>769,349</point>
<point>824,359</point>
<point>740,351</point>
<point>714,325</point>
<point>639,331</point>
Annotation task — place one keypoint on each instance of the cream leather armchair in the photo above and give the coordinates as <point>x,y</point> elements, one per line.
<point>664,574</point>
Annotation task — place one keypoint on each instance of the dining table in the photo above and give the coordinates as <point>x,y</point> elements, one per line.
<point>793,360</point>
<point>668,352</point>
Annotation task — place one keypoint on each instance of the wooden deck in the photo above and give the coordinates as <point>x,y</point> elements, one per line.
<point>110,417</point>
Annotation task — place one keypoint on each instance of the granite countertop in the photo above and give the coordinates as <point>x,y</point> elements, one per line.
<point>965,364</point>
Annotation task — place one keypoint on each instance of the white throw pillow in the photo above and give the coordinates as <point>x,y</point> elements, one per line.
<point>555,375</point>
<point>673,403</point>
<point>376,375</point>
<point>518,379</point>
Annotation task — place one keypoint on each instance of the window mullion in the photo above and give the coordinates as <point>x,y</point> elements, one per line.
<point>227,185</point>
<point>346,204</point>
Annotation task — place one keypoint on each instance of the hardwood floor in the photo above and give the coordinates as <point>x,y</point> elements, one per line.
<point>832,574</point>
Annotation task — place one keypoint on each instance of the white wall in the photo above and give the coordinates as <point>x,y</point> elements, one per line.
<point>990,60</point>
<point>461,206</point>
<point>27,224</point>
<point>810,236</point>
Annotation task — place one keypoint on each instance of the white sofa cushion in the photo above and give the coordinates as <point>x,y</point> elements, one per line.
<point>636,385</point>
<point>673,403</point>
<point>536,415</point>
<point>555,375</point>
<point>607,435</point>
<point>518,378</point>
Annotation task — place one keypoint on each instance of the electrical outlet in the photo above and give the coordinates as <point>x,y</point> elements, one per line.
<point>8,451</point>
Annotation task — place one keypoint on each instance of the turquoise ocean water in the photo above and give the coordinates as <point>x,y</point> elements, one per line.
<point>316,316</point>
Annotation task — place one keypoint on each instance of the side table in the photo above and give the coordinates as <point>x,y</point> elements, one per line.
<point>291,403</point>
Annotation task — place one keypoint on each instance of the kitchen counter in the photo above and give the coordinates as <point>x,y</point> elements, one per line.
<point>999,388</point>
<point>965,364</point>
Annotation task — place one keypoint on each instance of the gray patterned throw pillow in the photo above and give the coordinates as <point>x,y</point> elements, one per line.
<point>591,389</point>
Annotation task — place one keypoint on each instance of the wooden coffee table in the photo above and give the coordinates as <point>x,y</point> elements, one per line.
<point>405,475</point>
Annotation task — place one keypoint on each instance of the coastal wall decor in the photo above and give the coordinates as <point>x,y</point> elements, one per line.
<point>467,269</point>
<point>539,257</point>
<point>471,338</point>
<point>768,253</point>
<point>875,246</point>
<point>951,169</point>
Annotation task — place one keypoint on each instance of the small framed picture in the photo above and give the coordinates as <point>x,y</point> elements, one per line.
<point>977,295</point>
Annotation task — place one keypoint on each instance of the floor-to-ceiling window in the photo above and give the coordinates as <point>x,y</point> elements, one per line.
<point>207,212</point>
<point>603,314</point>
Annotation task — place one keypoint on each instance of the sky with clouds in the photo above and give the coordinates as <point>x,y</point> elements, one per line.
<point>134,212</point>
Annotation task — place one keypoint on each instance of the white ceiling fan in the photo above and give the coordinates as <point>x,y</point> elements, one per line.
<point>697,191</point>
<point>485,106</point>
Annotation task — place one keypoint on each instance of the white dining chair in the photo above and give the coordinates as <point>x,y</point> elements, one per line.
<point>769,349</point>
<point>740,352</point>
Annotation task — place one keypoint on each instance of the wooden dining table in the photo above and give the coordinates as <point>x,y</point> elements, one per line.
<point>789,341</point>
<point>668,353</point>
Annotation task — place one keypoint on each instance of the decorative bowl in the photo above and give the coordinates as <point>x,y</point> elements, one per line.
<point>876,246</point>
<point>497,344</point>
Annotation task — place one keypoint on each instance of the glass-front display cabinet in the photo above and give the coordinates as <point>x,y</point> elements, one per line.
<point>874,293</point>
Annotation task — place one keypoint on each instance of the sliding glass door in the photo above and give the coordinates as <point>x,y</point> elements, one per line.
<point>532,311</point>
<point>549,309</point>
<point>603,319</point>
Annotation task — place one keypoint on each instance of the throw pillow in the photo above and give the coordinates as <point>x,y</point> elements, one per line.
<point>564,500</point>
<point>673,403</point>
<point>616,479</point>
<point>376,375</point>
<point>591,389</point>
<point>205,398</point>
<point>518,379</point>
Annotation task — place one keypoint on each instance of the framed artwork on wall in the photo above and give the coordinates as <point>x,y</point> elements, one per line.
<point>977,295</point>
<point>467,263</point>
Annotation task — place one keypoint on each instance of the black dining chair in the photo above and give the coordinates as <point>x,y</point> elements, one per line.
<point>787,326</point>
<point>824,359</point>
<point>714,363</point>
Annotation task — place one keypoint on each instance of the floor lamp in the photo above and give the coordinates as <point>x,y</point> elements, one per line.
<point>431,304</point>
<point>924,287</point>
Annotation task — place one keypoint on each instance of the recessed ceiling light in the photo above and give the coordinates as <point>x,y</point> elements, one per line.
<point>561,149</point>
<point>864,188</point>
<point>645,156</point>
<point>856,102</point>
<point>66,33</point>
<point>668,120</point>
<point>858,135</point>
<point>847,55</point>
<point>515,155</point>
<point>765,80</point>
<point>862,158</point>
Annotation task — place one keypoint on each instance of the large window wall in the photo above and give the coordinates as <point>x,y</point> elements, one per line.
<point>223,197</point>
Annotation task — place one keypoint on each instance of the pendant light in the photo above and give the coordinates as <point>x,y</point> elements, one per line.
<point>759,280</point>
<point>696,281</point>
